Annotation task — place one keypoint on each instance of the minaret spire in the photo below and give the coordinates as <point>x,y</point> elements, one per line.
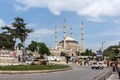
<point>64,34</point>
<point>82,34</point>
<point>56,42</point>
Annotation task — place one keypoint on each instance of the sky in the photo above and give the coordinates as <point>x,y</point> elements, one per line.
<point>101,19</point>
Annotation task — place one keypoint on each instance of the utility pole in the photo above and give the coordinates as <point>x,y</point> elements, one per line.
<point>102,46</point>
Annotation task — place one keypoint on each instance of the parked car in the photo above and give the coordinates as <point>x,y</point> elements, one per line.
<point>97,65</point>
<point>29,61</point>
<point>39,61</point>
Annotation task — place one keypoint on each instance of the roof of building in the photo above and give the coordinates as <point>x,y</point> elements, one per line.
<point>70,39</point>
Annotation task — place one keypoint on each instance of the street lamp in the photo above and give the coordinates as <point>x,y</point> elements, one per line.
<point>38,49</point>
<point>14,40</point>
<point>102,45</point>
<point>23,54</point>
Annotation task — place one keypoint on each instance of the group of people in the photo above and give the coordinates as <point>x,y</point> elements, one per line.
<point>115,66</point>
<point>75,60</point>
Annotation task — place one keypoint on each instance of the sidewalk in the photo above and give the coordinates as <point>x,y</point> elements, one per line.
<point>113,76</point>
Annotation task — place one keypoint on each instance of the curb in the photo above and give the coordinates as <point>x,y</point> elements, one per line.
<point>33,71</point>
<point>103,76</point>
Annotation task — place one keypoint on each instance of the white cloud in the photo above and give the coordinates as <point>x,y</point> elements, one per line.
<point>91,8</point>
<point>110,43</point>
<point>31,25</point>
<point>112,32</point>
<point>21,8</point>
<point>2,23</point>
<point>41,33</point>
<point>96,47</point>
<point>117,21</point>
<point>96,19</point>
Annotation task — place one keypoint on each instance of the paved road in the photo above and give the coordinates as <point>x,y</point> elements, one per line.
<point>77,73</point>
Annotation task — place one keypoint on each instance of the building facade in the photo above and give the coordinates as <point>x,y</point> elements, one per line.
<point>68,45</point>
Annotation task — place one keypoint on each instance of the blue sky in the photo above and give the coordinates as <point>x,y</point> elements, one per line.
<point>100,17</point>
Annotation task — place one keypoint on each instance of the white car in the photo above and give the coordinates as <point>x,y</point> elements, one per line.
<point>97,65</point>
<point>29,61</point>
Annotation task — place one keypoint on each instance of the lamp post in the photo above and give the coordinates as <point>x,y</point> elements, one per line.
<point>103,49</point>
<point>38,49</point>
<point>23,55</point>
<point>102,45</point>
<point>14,40</point>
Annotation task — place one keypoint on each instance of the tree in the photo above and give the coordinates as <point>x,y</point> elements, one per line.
<point>18,30</point>
<point>40,47</point>
<point>21,31</point>
<point>43,49</point>
<point>6,41</point>
<point>110,52</point>
<point>112,55</point>
<point>88,53</point>
<point>33,46</point>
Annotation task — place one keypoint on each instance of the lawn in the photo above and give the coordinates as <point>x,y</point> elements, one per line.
<point>32,67</point>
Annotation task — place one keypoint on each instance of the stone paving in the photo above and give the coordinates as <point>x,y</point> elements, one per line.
<point>114,76</point>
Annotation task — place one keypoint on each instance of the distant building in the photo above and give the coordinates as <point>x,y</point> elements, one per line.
<point>68,45</point>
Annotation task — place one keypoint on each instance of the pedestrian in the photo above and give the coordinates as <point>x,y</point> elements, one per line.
<point>67,59</point>
<point>108,62</point>
<point>118,67</point>
<point>113,67</point>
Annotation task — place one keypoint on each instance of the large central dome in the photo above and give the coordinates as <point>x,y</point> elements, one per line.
<point>71,44</point>
<point>70,39</point>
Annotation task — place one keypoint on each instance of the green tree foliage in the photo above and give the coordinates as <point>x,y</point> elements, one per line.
<point>6,41</point>
<point>111,52</point>
<point>40,47</point>
<point>43,49</point>
<point>18,30</point>
<point>88,53</point>
<point>33,46</point>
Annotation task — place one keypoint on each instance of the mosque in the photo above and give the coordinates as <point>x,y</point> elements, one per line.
<point>68,45</point>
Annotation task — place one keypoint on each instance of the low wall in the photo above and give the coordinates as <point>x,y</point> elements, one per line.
<point>103,76</point>
<point>8,60</point>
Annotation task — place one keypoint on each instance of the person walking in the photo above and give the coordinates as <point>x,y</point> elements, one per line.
<point>67,59</point>
<point>118,67</point>
<point>113,66</point>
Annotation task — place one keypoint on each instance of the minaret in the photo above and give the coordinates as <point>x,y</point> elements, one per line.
<point>56,42</point>
<point>71,32</point>
<point>82,36</point>
<point>64,35</point>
